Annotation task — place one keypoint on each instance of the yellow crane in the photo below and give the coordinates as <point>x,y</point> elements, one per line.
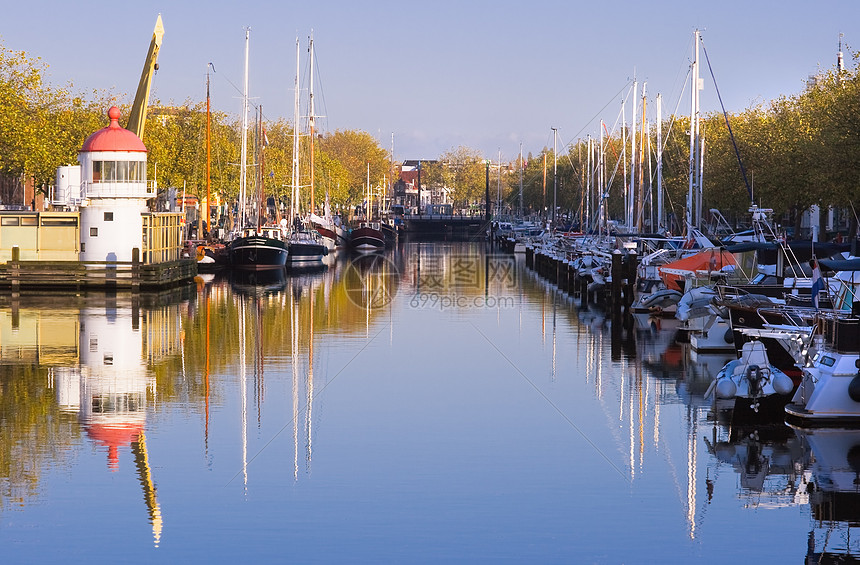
<point>137,116</point>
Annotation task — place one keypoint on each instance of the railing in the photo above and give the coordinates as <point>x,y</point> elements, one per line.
<point>113,189</point>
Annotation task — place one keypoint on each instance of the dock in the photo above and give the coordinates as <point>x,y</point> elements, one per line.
<point>16,276</point>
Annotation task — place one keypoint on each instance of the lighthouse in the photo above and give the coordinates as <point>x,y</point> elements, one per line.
<point>114,191</point>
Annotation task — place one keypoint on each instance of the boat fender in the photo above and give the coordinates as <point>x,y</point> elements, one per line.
<point>854,388</point>
<point>782,383</point>
<point>726,388</point>
<point>729,336</point>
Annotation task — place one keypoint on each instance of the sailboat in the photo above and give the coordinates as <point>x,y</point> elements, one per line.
<point>368,235</point>
<point>305,244</point>
<point>254,246</point>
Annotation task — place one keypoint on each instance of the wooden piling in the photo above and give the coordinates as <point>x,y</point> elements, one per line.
<point>615,297</point>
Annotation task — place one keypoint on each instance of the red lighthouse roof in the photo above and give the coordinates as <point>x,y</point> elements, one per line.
<point>114,137</point>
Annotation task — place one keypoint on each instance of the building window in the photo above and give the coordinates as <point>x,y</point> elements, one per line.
<point>13,221</point>
<point>83,247</point>
<point>94,232</point>
<point>108,216</point>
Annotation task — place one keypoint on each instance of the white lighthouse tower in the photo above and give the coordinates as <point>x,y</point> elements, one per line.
<point>114,192</point>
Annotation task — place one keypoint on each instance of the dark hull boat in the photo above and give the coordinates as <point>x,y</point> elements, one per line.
<point>258,250</point>
<point>367,237</point>
<point>306,247</point>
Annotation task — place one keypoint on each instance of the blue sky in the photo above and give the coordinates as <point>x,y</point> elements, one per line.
<point>485,74</point>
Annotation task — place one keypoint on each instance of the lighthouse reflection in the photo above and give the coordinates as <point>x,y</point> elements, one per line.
<point>111,386</point>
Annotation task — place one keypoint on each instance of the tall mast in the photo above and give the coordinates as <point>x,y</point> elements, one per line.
<point>390,191</point>
<point>295,189</point>
<point>600,187</point>
<point>627,220</point>
<point>243,187</point>
<point>632,194</point>
<point>311,116</point>
<point>694,190</point>
<point>660,222</point>
<point>520,204</point>
<point>640,194</point>
<point>499,185</point>
<point>589,182</point>
<point>554,174</point>
<point>543,210</point>
<point>206,214</point>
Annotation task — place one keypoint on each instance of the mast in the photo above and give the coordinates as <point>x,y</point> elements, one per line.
<point>244,154</point>
<point>640,194</point>
<point>632,194</point>
<point>261,167</point>
<point>311,116</point>
<point>588,184</point>
<point>390,191</point>
<point>694,190</point>
<point>206,207</point>
<point>369,214</point>
<point>499,184</point>
<point>627,220</point>
<point>543,211</point>
<point>554,174</point>
<point>660,221</point>
<point>295,189</point>
<point>520,204</point>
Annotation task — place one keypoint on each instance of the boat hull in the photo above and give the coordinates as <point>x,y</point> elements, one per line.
<point>306,252</point>
<point>258,253</point>
<point>367,239</point>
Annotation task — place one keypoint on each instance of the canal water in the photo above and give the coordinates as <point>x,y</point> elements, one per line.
<point>437,403</point>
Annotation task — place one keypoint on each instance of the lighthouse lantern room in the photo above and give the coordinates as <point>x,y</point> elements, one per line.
<point>114,191</point>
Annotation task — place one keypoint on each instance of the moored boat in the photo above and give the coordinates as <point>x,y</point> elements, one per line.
<point>306,247</point>
<point>259,249</point>
<point>751,386</point>
<point>829,393</point>
<point>367,237</point>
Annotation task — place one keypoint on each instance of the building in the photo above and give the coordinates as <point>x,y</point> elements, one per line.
<point>99,209</point>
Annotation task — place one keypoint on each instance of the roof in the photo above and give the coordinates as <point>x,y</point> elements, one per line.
<point>113,137</point>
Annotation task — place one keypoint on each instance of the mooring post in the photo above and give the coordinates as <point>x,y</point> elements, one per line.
<point>135,269</point>
<point>16,268</point>
<point>632,274</point>
<point>616,282</point>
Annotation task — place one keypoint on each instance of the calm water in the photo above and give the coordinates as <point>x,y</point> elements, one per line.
<point>435,404</point>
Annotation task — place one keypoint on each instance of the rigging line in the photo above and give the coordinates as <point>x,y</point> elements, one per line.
<point>726,116</point>
<point>594,117</point>
<point>316,394</point>
<point>569,160</point>
<point>550,402</point>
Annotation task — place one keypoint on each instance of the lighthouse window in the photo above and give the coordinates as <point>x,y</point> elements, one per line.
<point>121,174</point>
<point>108,171</point>
<point>94,232</point>
<point>108,216</point>
<point>119,171</point>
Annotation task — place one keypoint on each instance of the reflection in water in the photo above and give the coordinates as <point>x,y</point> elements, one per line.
<point>834,494</point>
<point>256,345</point>
<point>98,353</point>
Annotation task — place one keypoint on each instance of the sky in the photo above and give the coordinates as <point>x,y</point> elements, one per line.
<point>487,75</point>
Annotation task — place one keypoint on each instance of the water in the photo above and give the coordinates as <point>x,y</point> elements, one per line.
<point>435,404</point>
